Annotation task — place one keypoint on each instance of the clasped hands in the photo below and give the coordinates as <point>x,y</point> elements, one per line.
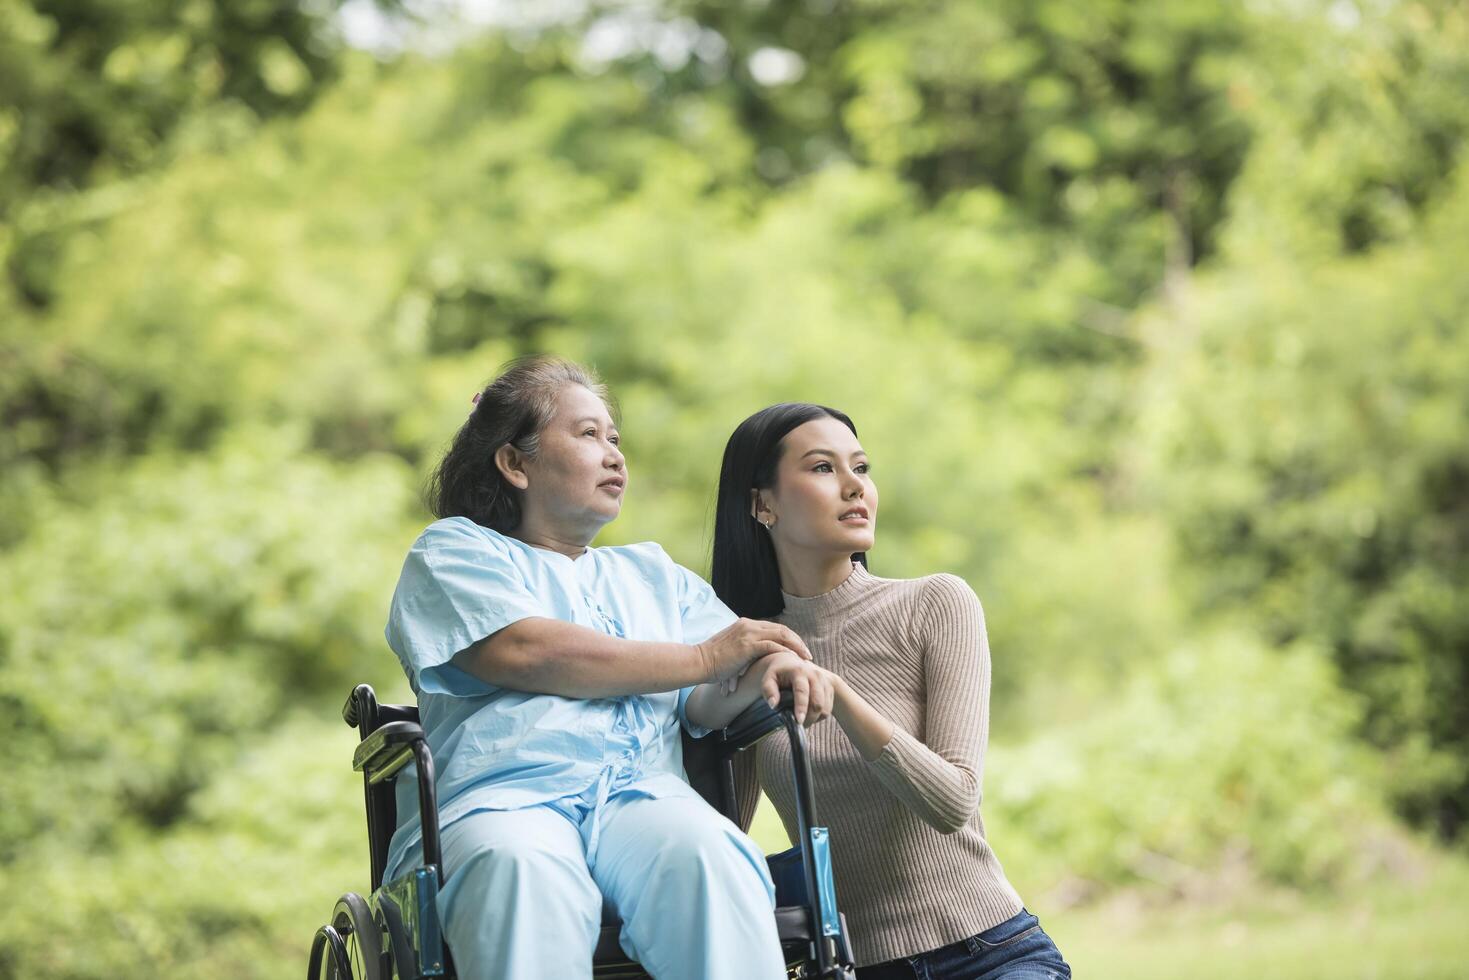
<point>752,655</point>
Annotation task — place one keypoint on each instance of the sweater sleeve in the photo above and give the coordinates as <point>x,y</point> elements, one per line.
<point>939,777</point>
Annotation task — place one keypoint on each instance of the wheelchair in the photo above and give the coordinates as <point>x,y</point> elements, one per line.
<point>394,933</point>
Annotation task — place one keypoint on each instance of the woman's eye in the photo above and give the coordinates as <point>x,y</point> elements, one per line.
<point>862,467</point>
<point>821,468</point>
<point>615,440</point>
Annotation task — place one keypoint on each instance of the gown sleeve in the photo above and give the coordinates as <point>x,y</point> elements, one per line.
<point>459,584</point>
<point>702,615</point>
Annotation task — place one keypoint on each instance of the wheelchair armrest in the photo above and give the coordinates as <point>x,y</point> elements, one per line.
<point>754,723</point>
<point>383,754</point>
<point>386,751</point>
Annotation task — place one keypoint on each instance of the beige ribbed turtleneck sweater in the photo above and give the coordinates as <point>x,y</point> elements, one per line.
<point>913,869</point>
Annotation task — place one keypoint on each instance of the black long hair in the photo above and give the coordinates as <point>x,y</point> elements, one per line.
<point>511,410</point>
<point>743,571</point>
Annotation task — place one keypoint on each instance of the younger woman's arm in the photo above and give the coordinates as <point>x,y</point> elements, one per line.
<point>937,778</point>
<point>866,728</point>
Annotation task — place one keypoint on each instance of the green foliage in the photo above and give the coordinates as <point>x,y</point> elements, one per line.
<point>1151,317</point>
<point>158,614</point>
<point>1357,150</point>
<point>1115,121</point>
<point>95,85</point>
<point>92,90</point>
<point>1317,449</point>
<point>1220,752</point>
<point>233,890</point>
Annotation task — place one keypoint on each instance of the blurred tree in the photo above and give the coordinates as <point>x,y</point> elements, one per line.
<point>237,356</point>
<point>90,85</point>
<point>92,90</point>
<point>1118,122</point>
<point>1225,756</point>
<point>1315,390</point>
<point>1357,146</point>
<point>164,628</point>
<point>144,634</point>
<point>1317,472</point>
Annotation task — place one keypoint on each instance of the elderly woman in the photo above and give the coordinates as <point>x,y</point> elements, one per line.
<point>551,679</point>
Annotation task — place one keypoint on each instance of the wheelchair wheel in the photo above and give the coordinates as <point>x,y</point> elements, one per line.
<point>328,956</point>
<point>353,921</point>
<point>401,950</point>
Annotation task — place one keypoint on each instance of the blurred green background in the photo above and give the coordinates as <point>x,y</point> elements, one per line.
<point>1154,317</point>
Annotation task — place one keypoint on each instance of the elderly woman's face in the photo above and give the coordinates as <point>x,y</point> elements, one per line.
<point>578,476</point>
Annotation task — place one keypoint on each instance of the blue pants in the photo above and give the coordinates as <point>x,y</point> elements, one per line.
<point>1016,949</point>
<point>525,889</point>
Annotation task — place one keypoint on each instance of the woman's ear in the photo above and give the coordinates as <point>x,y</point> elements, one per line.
<point>511,464</point>
<point>760,508</point>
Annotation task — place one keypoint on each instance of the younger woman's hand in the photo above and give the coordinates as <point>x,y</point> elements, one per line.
<point>811,686</point>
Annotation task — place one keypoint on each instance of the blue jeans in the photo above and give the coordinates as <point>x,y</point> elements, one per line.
<point>1016,949</point>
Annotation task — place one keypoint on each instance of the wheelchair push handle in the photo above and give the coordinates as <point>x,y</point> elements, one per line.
<point>362,696</point>
<point>755,722</point>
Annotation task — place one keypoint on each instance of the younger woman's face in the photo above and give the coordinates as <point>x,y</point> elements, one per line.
<point>824,500</point>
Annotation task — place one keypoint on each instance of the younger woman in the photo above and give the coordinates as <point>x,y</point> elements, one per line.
<point>899,775</point>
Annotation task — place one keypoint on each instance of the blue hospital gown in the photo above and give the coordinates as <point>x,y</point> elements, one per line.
<point>501,749</point>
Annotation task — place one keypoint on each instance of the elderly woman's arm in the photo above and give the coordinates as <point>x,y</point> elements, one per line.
<point>709,707</point>
<point>548,656</point>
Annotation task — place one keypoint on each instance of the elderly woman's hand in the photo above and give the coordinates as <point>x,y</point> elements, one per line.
<point>728,653</point>
<point>715,705</point>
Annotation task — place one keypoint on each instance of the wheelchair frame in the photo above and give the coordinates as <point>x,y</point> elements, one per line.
<point>403,912</point>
